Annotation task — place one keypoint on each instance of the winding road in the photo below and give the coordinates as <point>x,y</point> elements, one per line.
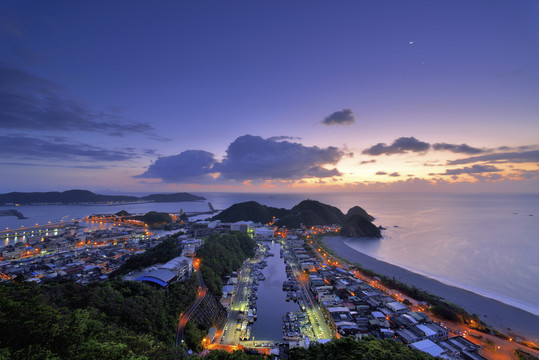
<point>184,317</point>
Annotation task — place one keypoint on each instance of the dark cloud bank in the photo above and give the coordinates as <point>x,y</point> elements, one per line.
<point>248,158</point>
<point>28,102</point>
<point>404,145</point>
<point>59,148</point>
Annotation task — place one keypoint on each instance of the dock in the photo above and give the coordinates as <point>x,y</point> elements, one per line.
<point>36,230</point>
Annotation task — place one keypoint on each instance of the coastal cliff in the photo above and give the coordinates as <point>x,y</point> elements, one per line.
<point>358,223</point>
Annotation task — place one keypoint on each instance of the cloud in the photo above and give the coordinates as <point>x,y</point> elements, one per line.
<point>400,146</point>
<point>283,137</point>
<point>489,177</point>
<point>475,169</point>
<point>54,165</point>
<point>529,174</point>
<point>513,73</point>
<point>343,117</point>
<point>28,102</point>
<point>462,148</point>
<point>24,147</point>
<point>252,157</point>
<point>515,157</point>
<point>248,158</point>
<point>190,166</point>
<point>367,162</point>
<point>393,174</point>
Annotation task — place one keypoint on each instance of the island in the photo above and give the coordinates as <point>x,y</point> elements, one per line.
<point>88,197</point>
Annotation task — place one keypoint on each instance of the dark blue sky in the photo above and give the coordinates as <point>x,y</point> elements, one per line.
<point>94,93</point>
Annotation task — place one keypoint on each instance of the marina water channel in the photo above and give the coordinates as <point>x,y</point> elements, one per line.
<point>271,302</point>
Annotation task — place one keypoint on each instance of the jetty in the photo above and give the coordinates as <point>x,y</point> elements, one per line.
<point>12,213</point>
<point>36,230</point>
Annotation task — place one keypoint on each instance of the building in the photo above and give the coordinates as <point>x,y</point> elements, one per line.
<point>177,269</point>
<point>243,226</point>
<point>429,347</point>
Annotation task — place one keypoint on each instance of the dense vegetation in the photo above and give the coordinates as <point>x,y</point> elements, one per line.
<point>106,320</point>
<point>160,253</point>
<point>123,213</point>
<point>357,222</point>
<point>85,196</point>
<point>359,226</point>
<point>310,213</point>
<point>357,210</point>
<point>350,348</point>
<point>153,218</point>
<point>221,255</point>
<point>177,197</point>
<point>249,211</point>
<point>522,355</point>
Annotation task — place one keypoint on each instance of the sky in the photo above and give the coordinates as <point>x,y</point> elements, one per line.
<point>261,96</point>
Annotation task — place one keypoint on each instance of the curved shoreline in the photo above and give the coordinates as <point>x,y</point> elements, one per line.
<point>493,312</point>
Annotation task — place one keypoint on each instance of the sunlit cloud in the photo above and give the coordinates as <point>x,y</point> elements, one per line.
<point>248,158</point>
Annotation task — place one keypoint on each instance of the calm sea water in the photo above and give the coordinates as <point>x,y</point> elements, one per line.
<point>271,302</point>
<point>488,244</point>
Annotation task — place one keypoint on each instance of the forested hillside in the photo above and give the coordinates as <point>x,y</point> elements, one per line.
<point>222,254</point>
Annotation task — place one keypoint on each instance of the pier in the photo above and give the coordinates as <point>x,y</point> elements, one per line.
<point>12,213</point>
<point>36,230</point>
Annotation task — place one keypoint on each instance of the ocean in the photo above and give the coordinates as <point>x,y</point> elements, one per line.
<point>485,243</point>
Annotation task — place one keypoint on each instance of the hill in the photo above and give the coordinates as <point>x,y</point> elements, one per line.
<point>310,213</point>
<point>249,211</point>
<point>177,197</point>
<point>357,222</point>
<point>356,210</point>
<point>85,196</point>
<point>359,226</point>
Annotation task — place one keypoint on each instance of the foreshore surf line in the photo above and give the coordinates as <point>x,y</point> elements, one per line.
<point>534,310</point>
<point>493,312</point>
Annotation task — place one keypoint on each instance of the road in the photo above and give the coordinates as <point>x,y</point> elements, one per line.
<point>316,317</point>
<point>238,303</point>
<point>493,347</point>
<point>184,317</point>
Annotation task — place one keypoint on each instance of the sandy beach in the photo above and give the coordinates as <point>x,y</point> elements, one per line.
<point>492,312</point>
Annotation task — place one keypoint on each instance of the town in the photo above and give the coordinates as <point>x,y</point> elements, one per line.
<point>333,299</point>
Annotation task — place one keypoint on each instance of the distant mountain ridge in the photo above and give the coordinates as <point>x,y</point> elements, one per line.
<point>356,223</point>
<point>85,196</point>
